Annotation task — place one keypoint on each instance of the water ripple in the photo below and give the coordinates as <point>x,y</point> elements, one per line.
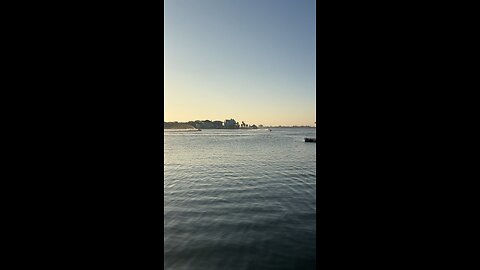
<point>239,200</point>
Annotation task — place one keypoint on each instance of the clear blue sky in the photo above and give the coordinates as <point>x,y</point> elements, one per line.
<point>251,60</point>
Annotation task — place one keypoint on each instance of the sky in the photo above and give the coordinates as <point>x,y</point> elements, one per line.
<point>250,60</point>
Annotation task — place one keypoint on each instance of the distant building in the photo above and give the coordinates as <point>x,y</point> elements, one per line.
<point>231,123</point>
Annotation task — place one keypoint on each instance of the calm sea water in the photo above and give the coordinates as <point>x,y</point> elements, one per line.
<point>239,199</point>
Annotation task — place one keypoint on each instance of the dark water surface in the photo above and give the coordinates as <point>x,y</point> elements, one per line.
<point>239,199</point>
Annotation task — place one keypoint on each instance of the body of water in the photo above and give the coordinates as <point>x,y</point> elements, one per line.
<point>239,199</point>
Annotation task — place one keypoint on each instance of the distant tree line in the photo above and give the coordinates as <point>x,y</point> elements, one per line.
<point>208,124</point>
<point>176,125</point>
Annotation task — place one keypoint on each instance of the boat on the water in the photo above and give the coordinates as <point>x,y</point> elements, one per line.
<point>311,140</point>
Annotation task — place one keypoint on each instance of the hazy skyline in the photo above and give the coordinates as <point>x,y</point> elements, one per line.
<point>251,60</point>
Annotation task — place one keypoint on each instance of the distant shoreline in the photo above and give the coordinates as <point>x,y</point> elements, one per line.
<point>193,128</point>
<point>227,124</point>
<point>177,126</point>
